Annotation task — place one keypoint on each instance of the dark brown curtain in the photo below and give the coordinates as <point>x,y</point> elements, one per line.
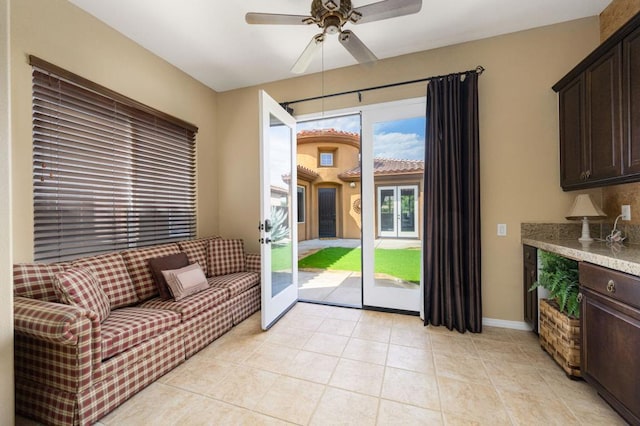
<point>452,293</point>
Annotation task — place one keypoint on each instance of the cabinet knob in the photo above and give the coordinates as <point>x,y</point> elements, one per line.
<point>580,296</point>
<point>587,174</point>
<point>582,176</point>
<point>611,286</point>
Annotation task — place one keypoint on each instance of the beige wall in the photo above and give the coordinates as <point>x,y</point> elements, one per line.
<point>6,288</point>
<point>345,158</point>
<point>64,35</point>
<point>518,134</point>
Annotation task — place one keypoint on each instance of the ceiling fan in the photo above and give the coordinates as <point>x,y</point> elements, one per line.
<point>330,16</point>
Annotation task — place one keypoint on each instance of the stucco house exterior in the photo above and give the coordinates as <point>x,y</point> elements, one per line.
<point>329,202</point>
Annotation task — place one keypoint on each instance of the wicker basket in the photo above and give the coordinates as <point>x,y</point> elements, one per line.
<point>560,337</point>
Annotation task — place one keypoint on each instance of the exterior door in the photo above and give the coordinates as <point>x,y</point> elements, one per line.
<point>327,212</point>
<point>278,223</point>
<point>397,287</point>
<point>398,211</point>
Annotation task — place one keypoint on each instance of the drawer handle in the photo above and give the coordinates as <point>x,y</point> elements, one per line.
<point>611,286</point>
<point>580,296</point>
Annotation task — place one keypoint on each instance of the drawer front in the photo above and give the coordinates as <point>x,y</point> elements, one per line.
<point>614,284</point>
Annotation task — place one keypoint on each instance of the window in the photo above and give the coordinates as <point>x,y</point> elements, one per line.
<point>109,173</point>
<point>301,204</point>
<point>326,159</point>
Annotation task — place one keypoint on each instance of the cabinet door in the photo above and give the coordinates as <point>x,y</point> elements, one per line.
<point>603,108</point>
<point>609,353</point>
<point>530,276</point>
<point>572,121</point>
<point>631,105</point>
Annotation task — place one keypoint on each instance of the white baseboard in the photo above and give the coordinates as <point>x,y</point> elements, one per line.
<point>515,325</point>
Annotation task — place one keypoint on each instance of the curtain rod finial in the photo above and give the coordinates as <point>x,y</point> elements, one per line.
<point>479,69</point>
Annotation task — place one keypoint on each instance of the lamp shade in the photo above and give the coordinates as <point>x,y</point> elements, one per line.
<point>583,206</point>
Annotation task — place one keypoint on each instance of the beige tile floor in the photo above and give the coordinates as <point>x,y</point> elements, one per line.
<point>322,365</point>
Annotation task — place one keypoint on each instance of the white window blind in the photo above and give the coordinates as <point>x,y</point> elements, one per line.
<point>107,175</point>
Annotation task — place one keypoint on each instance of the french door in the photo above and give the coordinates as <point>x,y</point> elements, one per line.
<point>278,222</point>
<point>395,208</point>
<point>398,211</point>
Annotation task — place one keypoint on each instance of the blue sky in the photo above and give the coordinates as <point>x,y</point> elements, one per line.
<point>400,139</point>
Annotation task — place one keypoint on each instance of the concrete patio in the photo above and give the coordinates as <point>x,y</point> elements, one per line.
<point>342,287</point>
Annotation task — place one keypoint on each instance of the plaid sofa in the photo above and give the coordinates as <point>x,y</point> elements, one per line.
<point>72,369</point>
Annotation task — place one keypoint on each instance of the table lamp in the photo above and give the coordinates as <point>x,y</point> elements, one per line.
<point>584,208</point>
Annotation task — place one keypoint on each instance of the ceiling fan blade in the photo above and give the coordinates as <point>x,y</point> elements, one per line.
<point>331,4</point>
<point>384,10</point>
<point>356,47</point>
<point>277,19</point>
<point>307,54</point>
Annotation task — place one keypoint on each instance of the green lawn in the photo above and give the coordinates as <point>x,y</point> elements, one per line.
<point>281,257</point>
<point>402,263</point>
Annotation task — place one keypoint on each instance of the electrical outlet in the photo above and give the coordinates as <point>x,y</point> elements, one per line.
<point>502,230</point>
<point>626,212</point>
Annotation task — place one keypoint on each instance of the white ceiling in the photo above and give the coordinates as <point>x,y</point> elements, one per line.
<point>209,39</point>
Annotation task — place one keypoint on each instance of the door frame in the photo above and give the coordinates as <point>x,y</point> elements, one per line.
<point>368,205</point>
<point>274,307</point>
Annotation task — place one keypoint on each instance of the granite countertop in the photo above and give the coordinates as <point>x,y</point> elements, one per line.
<point>624,258</point>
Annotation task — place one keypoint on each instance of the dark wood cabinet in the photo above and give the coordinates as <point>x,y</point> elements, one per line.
<point>603,117</point>
<point>572,133</point>
<point>631,103</point>
<point>610,327</point>
<point>530,276</point>
<point>599,113</point>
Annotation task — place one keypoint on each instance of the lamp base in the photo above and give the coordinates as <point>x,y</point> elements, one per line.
<point>586,236</point>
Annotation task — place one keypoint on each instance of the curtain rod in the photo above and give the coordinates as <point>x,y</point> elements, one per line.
<point>479,70</point>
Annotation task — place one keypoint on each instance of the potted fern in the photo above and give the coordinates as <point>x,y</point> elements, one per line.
<point>559,314</point>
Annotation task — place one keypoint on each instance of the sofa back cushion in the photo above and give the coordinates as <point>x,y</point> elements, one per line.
<point>137,262</point>
<point>35,280</point>
<point>198,252</point>
<point>226,257</point>
<point>79,287</point>
<point>164,263</point>
<point>111,273</point>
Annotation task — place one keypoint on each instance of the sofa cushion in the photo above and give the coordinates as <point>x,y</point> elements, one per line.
<point>164,263</point>
<point>236,283</point>
<point>35,280</point>
<point>192,305</point>
<point>126,327</point>
<point>111,273</point>
<point>137,262</point>
<point>196,251</point>
<point>186,281</point>
<point>79,287</point>
<point>226,257</point>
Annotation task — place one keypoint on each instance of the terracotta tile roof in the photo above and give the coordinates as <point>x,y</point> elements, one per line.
<point>386,167</point>
<point>304,173</point>
<point>327,132</point>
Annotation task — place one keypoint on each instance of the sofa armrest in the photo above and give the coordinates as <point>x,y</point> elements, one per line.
<point>56,345</point>
<point>253,262</point>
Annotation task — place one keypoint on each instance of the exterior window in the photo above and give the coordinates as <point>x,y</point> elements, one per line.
<point>109,174</point>
<point>301,204</point>
<point>326,159</point>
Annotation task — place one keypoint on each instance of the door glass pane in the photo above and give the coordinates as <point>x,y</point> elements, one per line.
<point>387,210</point>
<point>280,183</point>
<point>398,170</point>
<point>407,210</point>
